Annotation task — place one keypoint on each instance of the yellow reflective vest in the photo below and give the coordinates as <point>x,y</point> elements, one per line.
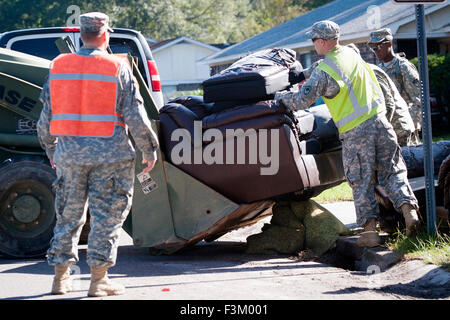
<point>360,96</point>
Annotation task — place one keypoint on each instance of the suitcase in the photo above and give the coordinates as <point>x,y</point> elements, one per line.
<point>256,77</point>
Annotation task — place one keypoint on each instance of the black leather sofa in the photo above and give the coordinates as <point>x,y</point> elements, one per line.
<point>304,144</point>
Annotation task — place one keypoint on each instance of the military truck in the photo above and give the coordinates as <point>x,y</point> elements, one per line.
<point>41,42</point>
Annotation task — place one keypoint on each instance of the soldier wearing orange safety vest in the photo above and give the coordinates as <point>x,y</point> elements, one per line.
<point>80,112</point>
<point>91,102</point>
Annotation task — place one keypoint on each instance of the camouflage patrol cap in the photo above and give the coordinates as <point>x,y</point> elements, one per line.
<point>381,35</point>
<point>95,22</point>
<point>325,29</point>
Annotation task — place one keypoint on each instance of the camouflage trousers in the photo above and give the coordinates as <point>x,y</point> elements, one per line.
<point>107,191</point>
<point>371,151</point>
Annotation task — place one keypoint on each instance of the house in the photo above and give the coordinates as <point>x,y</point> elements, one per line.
<point>177,61</point>
<point>357,19</point>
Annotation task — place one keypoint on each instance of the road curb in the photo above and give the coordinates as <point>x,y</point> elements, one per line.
<point>367,259</point>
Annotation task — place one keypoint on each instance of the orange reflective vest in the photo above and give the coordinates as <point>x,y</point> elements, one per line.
<point>83,92</point>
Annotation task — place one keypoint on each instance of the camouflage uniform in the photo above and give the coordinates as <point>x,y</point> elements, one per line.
<point>109,187</point>
<point>397,111</point>
<point>396,108</point>
<point>101,169</point>
<point>405,77</point>
<point>369,149</point>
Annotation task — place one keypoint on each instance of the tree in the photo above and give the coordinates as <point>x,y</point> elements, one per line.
<point>210,21</point>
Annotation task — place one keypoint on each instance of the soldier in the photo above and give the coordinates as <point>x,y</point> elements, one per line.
<point>397,111</point>
<point>369,145</point>
<point>90,100</point>
<point>402,72</point>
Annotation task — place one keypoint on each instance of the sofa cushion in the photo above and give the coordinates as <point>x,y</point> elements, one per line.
<point>242,113</point>
<point>195,104</point>
<point>181,115</point>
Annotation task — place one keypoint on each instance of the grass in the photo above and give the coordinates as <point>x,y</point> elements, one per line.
<point>441,137</point>
<point>434,249</point>
<point>438,138</point>
<point>341,192</point>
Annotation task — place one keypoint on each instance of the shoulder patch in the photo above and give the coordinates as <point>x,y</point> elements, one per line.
<point>306,90</point>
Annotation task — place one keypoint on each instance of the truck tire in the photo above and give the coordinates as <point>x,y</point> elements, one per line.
<point>27,214</point>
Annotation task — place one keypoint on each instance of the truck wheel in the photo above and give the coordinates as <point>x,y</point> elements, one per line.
<point>27,214</point>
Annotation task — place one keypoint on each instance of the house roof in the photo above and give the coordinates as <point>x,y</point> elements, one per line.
<point>155,47</point>
<point>150,40</point>
<point>356,19</point>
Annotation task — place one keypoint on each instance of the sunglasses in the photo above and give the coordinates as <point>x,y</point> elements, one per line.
<point>377,47</point>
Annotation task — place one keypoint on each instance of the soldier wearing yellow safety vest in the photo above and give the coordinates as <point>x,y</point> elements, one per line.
<point>369,144</point>
<point>91,102</point>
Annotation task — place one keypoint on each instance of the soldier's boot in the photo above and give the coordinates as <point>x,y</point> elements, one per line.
<point>411,219</point>
<point>62,283</point>
<point>101,285</point>
<point>370,237</point>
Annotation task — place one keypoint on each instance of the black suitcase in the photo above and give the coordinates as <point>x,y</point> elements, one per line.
<point>256,77</point>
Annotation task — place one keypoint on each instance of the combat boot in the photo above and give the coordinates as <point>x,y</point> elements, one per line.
<point>370,237</point>
<point>101,285</point>
<point>62,283</point>
<point>411,219</point>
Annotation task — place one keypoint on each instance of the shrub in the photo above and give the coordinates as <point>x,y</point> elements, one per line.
<point>439,76</point>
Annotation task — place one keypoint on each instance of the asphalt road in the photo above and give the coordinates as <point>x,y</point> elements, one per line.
<point>219,270</point>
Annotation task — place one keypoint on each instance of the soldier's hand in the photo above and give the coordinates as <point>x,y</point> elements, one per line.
<point>52,163</point>
<point>150,165</point>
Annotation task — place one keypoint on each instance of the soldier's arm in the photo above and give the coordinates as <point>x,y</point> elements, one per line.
<point>387,93</point>
<point>411,81</point>
<point>319,84</point>
<point>135,116</point>
<point>308,71</point>
<point>47,141</point>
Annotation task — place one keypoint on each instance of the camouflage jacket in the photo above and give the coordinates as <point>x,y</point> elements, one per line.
<point>318,84</point>
<point>397,111</point>
<point>405,77</point>
<point>73,150</point>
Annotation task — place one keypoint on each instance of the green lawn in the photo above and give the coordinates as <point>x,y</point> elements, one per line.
<point>433,249</point>
<point>342,192</point>
<point>442,137</point>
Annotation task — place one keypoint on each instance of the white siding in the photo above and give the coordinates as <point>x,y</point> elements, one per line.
<point>179,63</point>
<point>434,23</point>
